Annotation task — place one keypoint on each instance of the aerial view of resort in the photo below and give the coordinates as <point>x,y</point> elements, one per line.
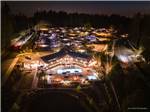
<point>75,56</point>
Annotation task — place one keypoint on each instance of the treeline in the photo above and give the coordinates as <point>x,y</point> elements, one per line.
<point>138,26</point>
<point>20,21</point>
<point>75,19</point>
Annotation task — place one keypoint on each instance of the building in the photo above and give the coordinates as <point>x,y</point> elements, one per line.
<point>67,66</point>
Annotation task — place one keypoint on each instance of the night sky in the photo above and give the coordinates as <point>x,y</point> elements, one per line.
<point>126,8</point>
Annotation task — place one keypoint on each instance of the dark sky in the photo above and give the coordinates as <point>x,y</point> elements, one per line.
<point>126,8</point>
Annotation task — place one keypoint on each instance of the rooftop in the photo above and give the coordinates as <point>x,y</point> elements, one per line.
<point>65,51</point>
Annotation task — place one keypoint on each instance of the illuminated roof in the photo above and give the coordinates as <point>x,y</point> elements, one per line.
<point>64,52</point>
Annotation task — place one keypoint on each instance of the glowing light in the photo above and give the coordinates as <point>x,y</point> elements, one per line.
<point>76,70</point>
<point>127,55</point>
<point>103,34</point>
<point>66,83</point>
<point>44,29</point>
<point>43,45</point>
<point>123,58</point>
<point>103,39</point>
<point>92,77</point>
<point>93,63</point>
<point>58,79</point>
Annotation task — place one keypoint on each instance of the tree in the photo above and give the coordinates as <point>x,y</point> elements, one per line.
<point>7,25</point>
<point>136,29</point>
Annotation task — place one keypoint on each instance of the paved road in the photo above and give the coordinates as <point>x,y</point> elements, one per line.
<point>35,79</point>
<point>9,70</point>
